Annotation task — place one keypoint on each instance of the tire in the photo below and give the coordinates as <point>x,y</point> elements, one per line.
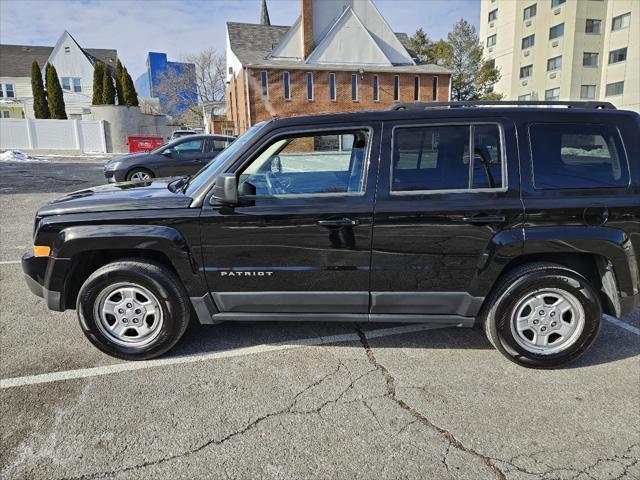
<point>538,304</point>
<point>139,174</point>
<point>147,309</point>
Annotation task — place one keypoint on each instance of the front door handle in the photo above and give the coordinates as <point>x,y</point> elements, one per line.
<point>343,222</point>
<point>485,219</point>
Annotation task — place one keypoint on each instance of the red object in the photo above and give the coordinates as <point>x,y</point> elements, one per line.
<point>142,143</point>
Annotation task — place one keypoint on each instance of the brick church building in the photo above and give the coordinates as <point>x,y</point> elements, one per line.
<point>339,56</point>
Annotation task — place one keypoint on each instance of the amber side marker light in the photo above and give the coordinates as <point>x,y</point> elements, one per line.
<point>40,251</point>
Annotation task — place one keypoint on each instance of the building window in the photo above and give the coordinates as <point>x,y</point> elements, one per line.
<point>524,98</point>
<point>621,21</point>
<point>416,88</point>
<point>8,90</point>
<point>593,26</point>
<point>396,88</point>
<point>554,63</point>
<point>616,88</point>
<point>67,49</point>
<point>493,15</point>
<point>491,41</point>
<point>530,12</point>
<point>434,93</point>
<point>376,96</point>
<point>617,56</point>
<point>286,85</point>
<point>588,92</point>
<point>528,42</point>
<point>557,3</point>
<point>310,86</point>
<point>332,87</point>
<point>77,86</point>
<point>5,114</point>
<point>66,83</point>
<point>590,59</point>
<point>553,94</point>
<point>556,31</point>
<point>354,87</point>
<point>264,80</point>
<point>526,71</point>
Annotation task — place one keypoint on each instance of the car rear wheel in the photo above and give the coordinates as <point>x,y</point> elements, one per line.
<point>134,310</point>
<point>139,175</point>
<point>543,315</point>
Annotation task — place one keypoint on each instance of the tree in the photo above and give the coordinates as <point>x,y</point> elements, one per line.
<point>472,76</point>
<point>108,91</point>
<point>128,89</point>
<point>184,91</point>
<point>119,92</point>
<point>40,105</point>
<point>55,96</point>
<point>98,74</point>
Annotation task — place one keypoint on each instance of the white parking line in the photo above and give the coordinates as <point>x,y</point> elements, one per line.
<point>622,324</point>
<point>131,366</point>
<point>9,262</point>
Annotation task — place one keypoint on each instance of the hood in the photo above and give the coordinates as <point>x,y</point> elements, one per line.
<point>126,159</point>
<point>152,195</point>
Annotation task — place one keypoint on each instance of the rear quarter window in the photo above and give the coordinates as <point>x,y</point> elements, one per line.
<point>568,156</point>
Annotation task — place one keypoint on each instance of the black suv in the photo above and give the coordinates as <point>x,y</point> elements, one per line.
<point>522,218</point>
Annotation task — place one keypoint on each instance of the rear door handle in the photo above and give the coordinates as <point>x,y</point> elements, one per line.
<point>343,222</point>
<point>485,219</point>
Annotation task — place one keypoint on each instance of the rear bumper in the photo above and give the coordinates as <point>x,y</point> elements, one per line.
<point>629,304</point>
<point>38,273</point>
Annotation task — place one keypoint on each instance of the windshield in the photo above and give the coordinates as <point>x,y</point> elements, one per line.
<point>203,175</point>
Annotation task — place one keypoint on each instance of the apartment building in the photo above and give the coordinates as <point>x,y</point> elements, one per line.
<point>565,49</point>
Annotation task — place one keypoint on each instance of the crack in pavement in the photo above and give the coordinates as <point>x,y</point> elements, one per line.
<point>287,410</point>
<point>448,436</point>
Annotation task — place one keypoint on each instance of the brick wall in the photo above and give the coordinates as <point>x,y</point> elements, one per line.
<point>264,108</point>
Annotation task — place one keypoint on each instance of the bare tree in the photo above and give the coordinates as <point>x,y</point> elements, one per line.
<point>178,88</point>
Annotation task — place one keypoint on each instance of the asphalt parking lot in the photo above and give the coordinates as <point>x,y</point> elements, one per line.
<point>294,401</point>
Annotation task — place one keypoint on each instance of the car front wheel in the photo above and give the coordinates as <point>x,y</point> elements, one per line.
<point>134,310</point>
<point>543,315</point>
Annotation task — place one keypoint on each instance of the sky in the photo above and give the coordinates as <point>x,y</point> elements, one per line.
<point>181,27</point>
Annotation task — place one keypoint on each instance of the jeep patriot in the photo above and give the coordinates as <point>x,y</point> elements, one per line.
<point>522,217</point>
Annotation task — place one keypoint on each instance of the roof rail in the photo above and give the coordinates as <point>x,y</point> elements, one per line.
<point>503,103</point>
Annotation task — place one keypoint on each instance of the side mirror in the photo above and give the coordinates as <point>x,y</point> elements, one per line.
<point>167,152</point>
<point>225,190</point>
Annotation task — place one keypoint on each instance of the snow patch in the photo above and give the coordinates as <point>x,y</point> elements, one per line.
<point>17,156</point>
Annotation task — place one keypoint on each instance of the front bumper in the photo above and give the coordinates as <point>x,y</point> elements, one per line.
<point>39,273</point>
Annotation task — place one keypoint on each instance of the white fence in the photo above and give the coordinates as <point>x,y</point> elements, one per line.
<point>35,134</point>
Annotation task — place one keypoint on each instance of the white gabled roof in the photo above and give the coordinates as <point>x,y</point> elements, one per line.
<point>348,39</point>
<point>345,32</point>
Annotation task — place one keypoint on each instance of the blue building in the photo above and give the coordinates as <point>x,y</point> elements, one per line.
<point>157,68</point>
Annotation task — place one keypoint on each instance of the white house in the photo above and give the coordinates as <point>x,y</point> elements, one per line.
<point>74,66</point>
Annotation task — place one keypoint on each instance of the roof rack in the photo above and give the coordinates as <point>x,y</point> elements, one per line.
<point>502,103</point>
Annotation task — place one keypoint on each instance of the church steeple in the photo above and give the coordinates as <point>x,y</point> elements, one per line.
<point>264,14</point>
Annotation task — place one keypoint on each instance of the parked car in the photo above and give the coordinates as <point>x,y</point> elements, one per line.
<point>182,133</point>
<point>523,219</point>
<point>184,156</point>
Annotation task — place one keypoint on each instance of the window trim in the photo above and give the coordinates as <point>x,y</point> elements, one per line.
<point>622,15</point>
<point>555,67</point>
<point>626,51</point>
<point>558,36</point>
<point>332,87</point>
<point>376,88</point>
<point>264,80</point>
<point>533,42</point>
<point>597,57</point>
<point>495,40</point>
<point>396,88</point>
<point>300,132</point>
<point>623,152</point>
<point>533,6</point>
<point>354,76</point>
<point>470,125</point>
<point>529,70</point>
<point>310,86</point>
<point>550,89</point>
<point>595,91</point>
<point>613,94</point>
<point>599,32</point>
<point>493,13</point>
<point>286,85</point>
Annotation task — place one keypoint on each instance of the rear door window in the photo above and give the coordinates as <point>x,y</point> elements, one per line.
<point>436,157</point>
<point>567,156</point>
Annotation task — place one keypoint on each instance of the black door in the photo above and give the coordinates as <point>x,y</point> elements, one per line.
<point>441,215</point>
<point>300,239</point>
<point>185,158</point>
